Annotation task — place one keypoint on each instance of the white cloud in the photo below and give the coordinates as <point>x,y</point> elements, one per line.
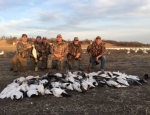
<point>124,20</point>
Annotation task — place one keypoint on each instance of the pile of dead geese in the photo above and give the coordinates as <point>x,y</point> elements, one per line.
<point>58,84</point>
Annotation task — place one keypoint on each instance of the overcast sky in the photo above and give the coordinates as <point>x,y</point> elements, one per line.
<point>120,20</point>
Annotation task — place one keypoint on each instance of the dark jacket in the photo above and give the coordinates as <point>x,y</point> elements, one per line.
<point>74,50</point>
<point>96,50</point>
<point>46,49</point>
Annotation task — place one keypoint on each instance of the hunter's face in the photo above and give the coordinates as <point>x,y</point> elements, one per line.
<point>59,39</point>
<point>76,42</point>
<point>24,39</point>
<point>44,41</point>
<point>39,40</point>
<point>98,41</point>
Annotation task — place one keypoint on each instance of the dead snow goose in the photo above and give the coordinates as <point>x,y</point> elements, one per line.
<point>67,86</point>
<point>122,81</point>
<point>17,95</point>
<point>111,82</point>
<point>40,89</point>
<point>32,93</point>
<point>58,74</point>
<point>34,53</point>
<point>47,91</point>
<point>58,92</point>
<point>56,84</point>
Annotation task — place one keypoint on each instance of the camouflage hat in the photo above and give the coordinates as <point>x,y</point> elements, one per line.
<point>44,38</point>
<point>76,39</point>
<point>24,35</point>
<point>59,35</point>
<point>38,37</point>
<point>98,37</point>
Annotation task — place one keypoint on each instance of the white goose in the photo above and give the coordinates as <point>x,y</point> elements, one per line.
<point>12,91</point>
<point>112,83</point>
<point>47,91</point>
<point>17,95</point>
<point>34,53</point>
<point>44,81</point>
<point>67,86</point>
<point>32,92</point>
<point>122,80</point>
<point>77,86</point>
<point>58,74</point>
<point>70,78</point>
<point>56,84</point>
<point>58,92</point>
<point>2,53</point>
<point>40,89</point>
<point>8,90</point>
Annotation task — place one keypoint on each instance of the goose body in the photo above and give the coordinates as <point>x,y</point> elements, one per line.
<point>44,81</point>
<point>47,91</point>
<point>77,86</point>
<point>58,92</point>
<point>34,52</point>
<point>67,86</point>
<point>111,83</point>
<point>32,92</point>
<point>55,84</point>
<point>2,53</point>
<point>17,95</point>
<point>133,77</point>
<point>33,86</point>
<point>84,85</point>
<point>24,87</point>
<point>122,81</point>
<point>9,88</point>
<point>70,79</point>
<point>58,74</point>
<point>40,89</point>
<point>12,91</point>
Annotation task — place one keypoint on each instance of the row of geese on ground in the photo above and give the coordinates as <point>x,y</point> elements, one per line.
<point>135,50</point>
<point>58,84</point>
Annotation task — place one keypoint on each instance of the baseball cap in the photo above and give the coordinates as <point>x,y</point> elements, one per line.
<point>44,38</point>
<point>24,35</point>
<point>59,35</point>
<point>76,38</point>
<point>98,37</point>
<point>38,37</point>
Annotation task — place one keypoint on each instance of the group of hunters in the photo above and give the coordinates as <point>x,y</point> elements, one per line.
<point>59,52</point>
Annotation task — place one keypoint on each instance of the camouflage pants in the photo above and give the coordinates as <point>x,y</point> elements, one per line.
<point>71,62</point>
<point>34,64</point>
<point>44,62</point>
<point>16,60</point>
<point>60,62</point>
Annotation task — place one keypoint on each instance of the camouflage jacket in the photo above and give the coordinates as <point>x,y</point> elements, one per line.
<point>74,49</point>
<point>38,47</point>
<point>46,49</point>
<point>96,50</point>
<point>61,48</point>
<point>22,49</point>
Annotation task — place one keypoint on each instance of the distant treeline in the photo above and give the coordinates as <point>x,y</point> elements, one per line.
<point>10,40</point>
<point>126,44</point>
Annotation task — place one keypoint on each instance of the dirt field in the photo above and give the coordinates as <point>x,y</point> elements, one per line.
<point>134,100</point>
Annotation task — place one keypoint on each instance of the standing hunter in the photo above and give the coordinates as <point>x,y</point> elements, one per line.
<point>97,51</point>
<point>38,47</point>
<point>75,53</point>
<point>45,52</point>
<point>59,51</point>
<point>23,48</point>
